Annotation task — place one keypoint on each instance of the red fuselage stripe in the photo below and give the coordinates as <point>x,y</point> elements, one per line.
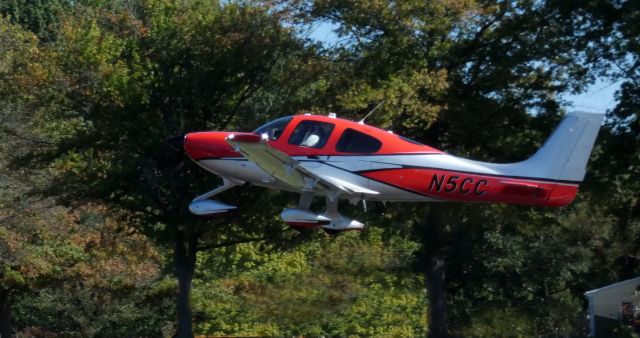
<point>464,187</point>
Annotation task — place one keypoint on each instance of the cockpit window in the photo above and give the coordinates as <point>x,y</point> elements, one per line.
<point>274,128</point>
<point>353,141</point>
<point>312,134</point>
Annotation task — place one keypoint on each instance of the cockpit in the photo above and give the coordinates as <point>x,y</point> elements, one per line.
<point>315,134</point>
<point>274,128</point>
<point>311,134</point>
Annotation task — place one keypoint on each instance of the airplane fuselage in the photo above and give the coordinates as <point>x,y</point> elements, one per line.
<point>397,168</point>
<point>340,159</point>
<point>407,178</point>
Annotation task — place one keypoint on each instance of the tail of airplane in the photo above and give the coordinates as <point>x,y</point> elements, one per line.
<point>565,153</point>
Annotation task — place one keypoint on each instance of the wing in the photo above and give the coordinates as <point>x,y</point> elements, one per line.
<point>286,169</point>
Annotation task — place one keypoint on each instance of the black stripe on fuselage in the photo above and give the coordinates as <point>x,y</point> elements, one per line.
<point>542,179</point>
<point>385,183</point>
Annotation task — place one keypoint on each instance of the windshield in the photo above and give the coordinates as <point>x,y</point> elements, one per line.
<point>274,128</point>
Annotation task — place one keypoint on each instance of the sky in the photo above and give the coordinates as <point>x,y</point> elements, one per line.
<point>598,98</point>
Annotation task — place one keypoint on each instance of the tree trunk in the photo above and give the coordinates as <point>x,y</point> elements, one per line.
<point>437,302</point>
<point>5,315</point>
<point>185,260</point>
<point>433,237</point>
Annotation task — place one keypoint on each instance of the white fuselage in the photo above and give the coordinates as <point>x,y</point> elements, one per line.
<point>348,168</point>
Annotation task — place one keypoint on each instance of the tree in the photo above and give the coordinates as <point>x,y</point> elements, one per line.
<point>446,68</point>
<point>39,17</point>
<point>135,79</point>
<point>93,101</point>
<point>33,252</point>
<point>616,55</point>
<point>113,289</point>
<point>353,284</point>
<point>46,247</point>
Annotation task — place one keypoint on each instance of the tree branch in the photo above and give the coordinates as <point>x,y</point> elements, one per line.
<point>229,243</point>
<point>251,88</point>
<point>475,43</point>
<point>14,133</point>
<point>629,72</point>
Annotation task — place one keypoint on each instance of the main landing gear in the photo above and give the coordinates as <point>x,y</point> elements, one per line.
<point>300,217</point>
<point>331,221</point>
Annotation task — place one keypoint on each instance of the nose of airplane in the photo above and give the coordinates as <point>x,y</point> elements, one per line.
<point>208,145</point>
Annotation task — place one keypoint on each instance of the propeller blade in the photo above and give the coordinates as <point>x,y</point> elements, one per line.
<point>176,143</point>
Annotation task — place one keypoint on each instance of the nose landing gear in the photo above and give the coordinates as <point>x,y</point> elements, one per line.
<point>208,208</point>
<point>204,207</point>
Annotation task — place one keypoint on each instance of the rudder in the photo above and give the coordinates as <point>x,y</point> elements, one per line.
<point>565,153</point>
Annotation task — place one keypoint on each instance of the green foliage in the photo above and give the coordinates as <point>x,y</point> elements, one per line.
<point>499,323</point>
<point>170,67</point>
<point>351,285</point>
<point>533,266</point>
<point>90,90</point>
<point>40,17</point>
<point>95,313</point>
<point>497,61</point>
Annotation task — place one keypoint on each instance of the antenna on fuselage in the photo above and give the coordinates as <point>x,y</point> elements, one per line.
<point>371,112</point>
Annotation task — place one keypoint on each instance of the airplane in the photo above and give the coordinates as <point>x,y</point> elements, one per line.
<point>335,158</point>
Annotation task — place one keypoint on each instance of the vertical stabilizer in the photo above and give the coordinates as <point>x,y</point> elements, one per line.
<point>565,154</point>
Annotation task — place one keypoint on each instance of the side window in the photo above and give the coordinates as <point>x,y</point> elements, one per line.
<point>312,134</point>
<point>274,128</point>
<point>353,141</point>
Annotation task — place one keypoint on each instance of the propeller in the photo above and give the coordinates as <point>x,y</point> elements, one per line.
<point>176,143</point>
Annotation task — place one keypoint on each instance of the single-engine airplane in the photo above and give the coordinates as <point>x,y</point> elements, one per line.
<point>340,159</point>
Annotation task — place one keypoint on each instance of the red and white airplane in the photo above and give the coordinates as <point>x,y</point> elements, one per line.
<point>340,159</point>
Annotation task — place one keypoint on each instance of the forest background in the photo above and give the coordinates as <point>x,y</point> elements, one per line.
<point>95,236</point>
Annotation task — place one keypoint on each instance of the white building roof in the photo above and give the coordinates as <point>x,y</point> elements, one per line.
<point>612,286</point>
